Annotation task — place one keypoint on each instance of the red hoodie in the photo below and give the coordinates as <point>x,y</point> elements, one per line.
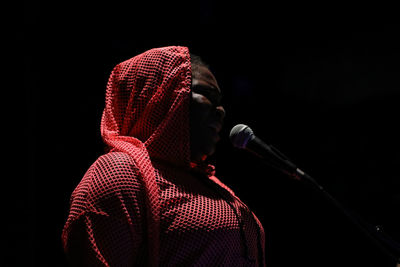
<point>144,202</point>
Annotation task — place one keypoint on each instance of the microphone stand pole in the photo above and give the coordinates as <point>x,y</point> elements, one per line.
<point>372,234</point>
<point>282,163</point>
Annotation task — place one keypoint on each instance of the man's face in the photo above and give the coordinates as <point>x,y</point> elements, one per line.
<point>206,115</point>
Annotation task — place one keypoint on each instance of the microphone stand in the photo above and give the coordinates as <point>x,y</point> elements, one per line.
<point>280,162</point>
<point>371,233</point>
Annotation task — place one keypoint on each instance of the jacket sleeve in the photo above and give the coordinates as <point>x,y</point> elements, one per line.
<point>105,226</point>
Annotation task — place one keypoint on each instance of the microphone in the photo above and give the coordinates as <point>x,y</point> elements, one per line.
<point>242,137</point>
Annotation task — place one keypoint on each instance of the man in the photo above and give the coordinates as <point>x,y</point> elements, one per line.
<point>152,199</point>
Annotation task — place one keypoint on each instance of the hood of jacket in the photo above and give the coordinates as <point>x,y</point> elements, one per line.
<point>147,105</point>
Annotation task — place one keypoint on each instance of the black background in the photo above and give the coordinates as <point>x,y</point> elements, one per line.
<point>318,81</point>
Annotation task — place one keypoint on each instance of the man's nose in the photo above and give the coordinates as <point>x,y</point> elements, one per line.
<point>220,112</point>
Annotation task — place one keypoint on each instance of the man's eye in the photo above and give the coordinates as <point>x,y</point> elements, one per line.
<point>214,99</point>
<point>212,96</point>
<point>209,96</point>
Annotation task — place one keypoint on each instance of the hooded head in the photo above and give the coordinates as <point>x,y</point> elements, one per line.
<point>148,103</point>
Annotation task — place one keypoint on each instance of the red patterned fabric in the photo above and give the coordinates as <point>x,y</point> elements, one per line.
<point>144,202</point>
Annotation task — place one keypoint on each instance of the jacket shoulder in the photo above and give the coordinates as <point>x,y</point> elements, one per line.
<point>113,175</point>
<point>116,169</point>
<point>115,164</point>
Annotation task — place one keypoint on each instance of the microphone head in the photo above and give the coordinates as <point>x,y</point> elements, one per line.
<point>240,135</point>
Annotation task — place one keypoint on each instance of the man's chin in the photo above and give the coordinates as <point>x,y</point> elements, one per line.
<point>210,150</point>
<point>206,151</point>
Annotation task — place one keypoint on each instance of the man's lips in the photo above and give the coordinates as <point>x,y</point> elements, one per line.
<point>217,126</point>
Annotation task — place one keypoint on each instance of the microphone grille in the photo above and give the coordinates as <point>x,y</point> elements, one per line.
<point>240,135</point>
